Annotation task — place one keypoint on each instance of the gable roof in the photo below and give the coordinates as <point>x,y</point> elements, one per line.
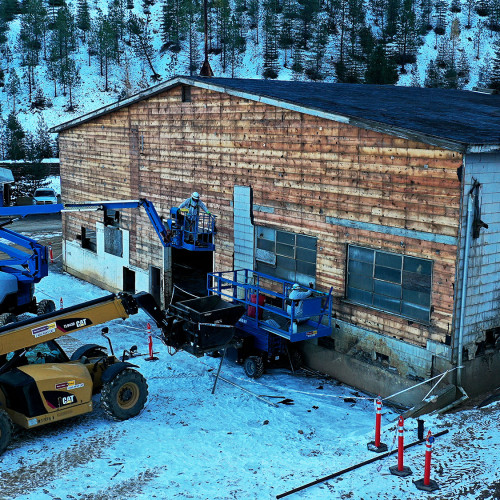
<point>453,119</point>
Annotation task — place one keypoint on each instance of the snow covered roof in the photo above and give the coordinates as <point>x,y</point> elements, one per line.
<point>6,176</point>
<point>453,119</point>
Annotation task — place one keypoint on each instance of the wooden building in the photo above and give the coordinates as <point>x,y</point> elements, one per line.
<point>387,194</point>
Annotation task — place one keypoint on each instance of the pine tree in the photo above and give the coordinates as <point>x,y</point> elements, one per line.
<point>482,8</point>
<point>441,11</point>
<point>405,38</point>
<point>9,9</point>
<point>425,22</point>
<point>314,66</point>
<point>13,87</point>
<point>30,40</point>
<point>173,24</point>
<point>253,17</point>
<point>494,17</point>
<point>381,70</point>
<point>14,138</point>
<point>83,19</point>
<point>142,42</point>
<point>494,73</point>
<point>433,78</point>
<point>270,44</point>
<point>393,15</point>
<point>43,140</point>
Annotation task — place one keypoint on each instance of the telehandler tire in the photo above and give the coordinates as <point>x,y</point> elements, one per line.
<point>45,306</point>
<point>5,430</point>
<point>7,318</point>
<point>124,396</point>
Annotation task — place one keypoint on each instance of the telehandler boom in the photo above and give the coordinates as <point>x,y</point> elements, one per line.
<point>40,383</point>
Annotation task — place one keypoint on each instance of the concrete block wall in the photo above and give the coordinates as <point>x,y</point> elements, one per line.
<point>243,228</point>
<point>406,359</point>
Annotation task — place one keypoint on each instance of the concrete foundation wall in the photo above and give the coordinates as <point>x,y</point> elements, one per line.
<point>101,268</point>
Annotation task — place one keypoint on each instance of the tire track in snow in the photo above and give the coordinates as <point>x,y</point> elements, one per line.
<point>38,475</point>
<point>126,488</point>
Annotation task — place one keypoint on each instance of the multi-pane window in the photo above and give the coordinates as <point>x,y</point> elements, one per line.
<point>398,284</point>
<point>286,255</point>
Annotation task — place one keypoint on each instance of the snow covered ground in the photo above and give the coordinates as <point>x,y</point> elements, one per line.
<point>188,443</point>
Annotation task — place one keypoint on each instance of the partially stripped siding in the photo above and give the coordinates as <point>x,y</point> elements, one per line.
<point>308,169</point>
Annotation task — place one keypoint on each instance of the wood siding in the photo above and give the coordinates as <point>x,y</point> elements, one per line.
<point>305,168</point>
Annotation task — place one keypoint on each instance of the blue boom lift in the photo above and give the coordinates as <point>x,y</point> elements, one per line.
<point>23,268</point>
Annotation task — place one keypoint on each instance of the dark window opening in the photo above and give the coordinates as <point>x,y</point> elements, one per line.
<point>128,280</point>
<point>186,93</point>
<point>382,358</point>
<point>397,284</point>
<point>89,239</point>
<point>111,218</point>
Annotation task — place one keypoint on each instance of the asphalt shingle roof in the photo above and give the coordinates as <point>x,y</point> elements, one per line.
<point>462,118</point>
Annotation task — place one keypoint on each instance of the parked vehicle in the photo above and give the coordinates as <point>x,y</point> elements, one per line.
<point>45,196</point>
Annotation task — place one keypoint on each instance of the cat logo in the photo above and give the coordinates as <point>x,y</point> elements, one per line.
<point>81,322</point>
<point>67,400</point>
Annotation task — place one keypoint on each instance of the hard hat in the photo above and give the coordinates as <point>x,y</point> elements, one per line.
<point>195,196</point>
<point>296,286</point>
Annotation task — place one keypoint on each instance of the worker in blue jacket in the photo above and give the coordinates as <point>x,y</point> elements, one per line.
<point>192,205</point>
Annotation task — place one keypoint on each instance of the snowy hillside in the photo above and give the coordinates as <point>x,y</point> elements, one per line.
<point>451,43</point>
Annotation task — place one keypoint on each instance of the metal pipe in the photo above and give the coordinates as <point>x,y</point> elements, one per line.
<point>465,277</point>
<point>455,403</point>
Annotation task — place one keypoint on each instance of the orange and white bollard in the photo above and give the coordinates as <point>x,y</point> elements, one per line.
<point>61,305</point>
<point>376,445</point>
<point>427,484</point>
<point>51,255</point>
<point>400,470</point>
<point>150,344</point>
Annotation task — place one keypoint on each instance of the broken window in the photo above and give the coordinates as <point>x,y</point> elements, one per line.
<point>111,217</point>
<point>89,239</point>
<point>284,255</point>
<point>113,241</point>
<point>397,284</point>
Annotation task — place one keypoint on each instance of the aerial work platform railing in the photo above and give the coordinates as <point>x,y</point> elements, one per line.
<point>191,232</point>
<point>268,306</point>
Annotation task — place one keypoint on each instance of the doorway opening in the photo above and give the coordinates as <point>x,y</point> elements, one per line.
<point>128,280</point>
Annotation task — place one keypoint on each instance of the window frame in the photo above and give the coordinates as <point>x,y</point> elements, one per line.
<point>382,291</point>
<point>276,250</point>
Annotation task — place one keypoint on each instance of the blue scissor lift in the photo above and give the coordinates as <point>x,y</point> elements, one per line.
<point>270,326</point>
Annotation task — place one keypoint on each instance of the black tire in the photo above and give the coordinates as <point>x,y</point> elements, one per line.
<point>296,359</point>
<point>5,430</point>
<point>254,366</point>
<point>125,396</point>
<point>45,306</point>
<point>7,318</point>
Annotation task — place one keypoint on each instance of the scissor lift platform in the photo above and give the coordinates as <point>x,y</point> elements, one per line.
<point>267,307</point>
